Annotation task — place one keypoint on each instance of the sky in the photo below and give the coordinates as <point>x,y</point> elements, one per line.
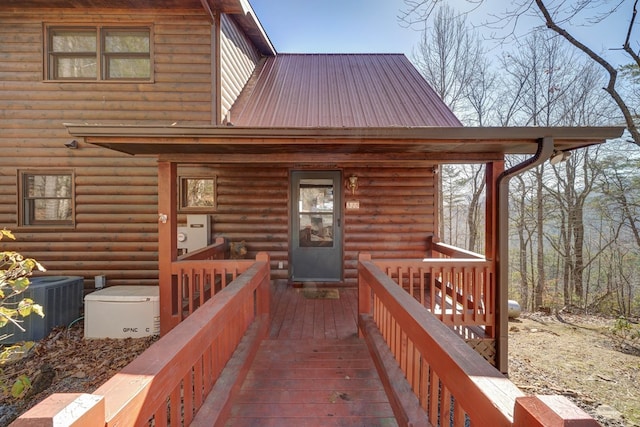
<point>372,26</point>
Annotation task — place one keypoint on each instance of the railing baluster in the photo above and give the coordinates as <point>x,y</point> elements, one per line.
<point>434,396</point>
<point>160,418</point>
<point>175,406</point>
<point>445,406</point>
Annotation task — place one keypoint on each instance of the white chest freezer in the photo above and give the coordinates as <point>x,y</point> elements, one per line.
<point>122,312</point>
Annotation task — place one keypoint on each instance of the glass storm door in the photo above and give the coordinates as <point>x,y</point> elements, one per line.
<point>316,249</point>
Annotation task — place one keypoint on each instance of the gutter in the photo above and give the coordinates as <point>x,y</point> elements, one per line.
<point>543,153</point>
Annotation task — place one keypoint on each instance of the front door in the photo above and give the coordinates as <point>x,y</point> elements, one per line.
<point>316,226</point>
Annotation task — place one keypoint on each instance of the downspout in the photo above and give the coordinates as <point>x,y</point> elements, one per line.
<point>543,153</point>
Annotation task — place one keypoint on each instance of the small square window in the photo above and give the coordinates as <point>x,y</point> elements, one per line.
<point>197,193</point>
<point>46,198</point>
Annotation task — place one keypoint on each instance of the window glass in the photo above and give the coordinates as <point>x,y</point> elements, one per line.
<point>126,41</point>
<point>73,54</point>
<point>99,53</point>
<point>47,199</point>
<point>75,68</point>
<point>126,54</point>
<point>197,193</point>
<point>316,212</point>
<point>128,68</point>
<point>83,41</point>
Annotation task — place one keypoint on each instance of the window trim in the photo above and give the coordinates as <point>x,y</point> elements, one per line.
<point>182,197</point>
<point>23,221</point>
<point>50,72</point>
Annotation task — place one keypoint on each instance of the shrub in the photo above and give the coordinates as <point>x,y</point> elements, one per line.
<point>14,280</point>
<point>625,334</point>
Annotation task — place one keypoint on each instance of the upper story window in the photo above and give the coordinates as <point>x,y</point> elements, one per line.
<point>46,198</point>
<point>99,53</point>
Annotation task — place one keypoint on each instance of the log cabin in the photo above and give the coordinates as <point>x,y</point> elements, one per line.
<point>131,128</point>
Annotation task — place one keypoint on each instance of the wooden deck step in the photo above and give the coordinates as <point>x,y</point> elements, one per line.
<point>314,382</point>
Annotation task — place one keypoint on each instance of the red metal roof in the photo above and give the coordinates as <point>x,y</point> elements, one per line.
<point>339,90</point>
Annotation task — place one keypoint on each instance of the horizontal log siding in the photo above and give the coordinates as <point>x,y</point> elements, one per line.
<point>396,215</point>
<point>238,60</point>
<point>395,218</point>
<point>116,195</point>
<point>252,205</point>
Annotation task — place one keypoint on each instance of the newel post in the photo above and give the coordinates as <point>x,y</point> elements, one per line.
<point>550,411</point>
<point>364,290</point>
<point>65,409</point>
<point>263,293</point>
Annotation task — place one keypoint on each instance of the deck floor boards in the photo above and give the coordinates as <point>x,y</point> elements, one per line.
<point>313,370</point>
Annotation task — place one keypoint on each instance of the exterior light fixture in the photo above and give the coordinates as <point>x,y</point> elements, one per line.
<point>352,184</point>
<point>559,156</point>
<point>73,144</point>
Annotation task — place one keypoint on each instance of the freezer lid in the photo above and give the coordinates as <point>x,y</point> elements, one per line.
<point>125,294</point>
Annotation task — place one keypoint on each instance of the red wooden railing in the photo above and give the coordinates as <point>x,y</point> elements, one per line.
<point>217,250</point>
<point>433,378</point>
<point>199,275</point>
<point>170,382</point>
<point>459,292</point>
<point>442,250</point>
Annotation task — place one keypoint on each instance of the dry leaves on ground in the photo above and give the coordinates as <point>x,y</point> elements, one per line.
<point>64,362</point>
<point>574,356</point>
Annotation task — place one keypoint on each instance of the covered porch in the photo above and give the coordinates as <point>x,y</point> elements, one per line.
<point>427,330</point>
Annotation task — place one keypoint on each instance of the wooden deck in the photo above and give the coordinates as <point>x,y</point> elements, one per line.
<point>313,370</point>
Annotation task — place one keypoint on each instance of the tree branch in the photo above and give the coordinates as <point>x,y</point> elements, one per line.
<point>613,73</point>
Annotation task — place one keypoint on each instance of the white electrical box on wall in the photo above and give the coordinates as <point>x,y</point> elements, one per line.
<point>122,312</point>
<point>197,233</point>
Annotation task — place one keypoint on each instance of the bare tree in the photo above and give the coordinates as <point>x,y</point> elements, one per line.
<point>449,56</point>
<point>558,15</point>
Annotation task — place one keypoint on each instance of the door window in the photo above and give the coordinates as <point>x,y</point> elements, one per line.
<point>316,213</point>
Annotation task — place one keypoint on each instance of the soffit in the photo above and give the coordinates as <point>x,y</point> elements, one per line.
<point>334,144</point>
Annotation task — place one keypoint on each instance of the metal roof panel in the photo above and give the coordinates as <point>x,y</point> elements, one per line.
<point>340,90</point>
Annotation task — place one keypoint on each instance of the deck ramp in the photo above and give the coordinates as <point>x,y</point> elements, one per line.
<point>313,370</point>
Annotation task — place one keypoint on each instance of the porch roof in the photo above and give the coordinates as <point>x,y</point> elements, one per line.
<point>400,144</point>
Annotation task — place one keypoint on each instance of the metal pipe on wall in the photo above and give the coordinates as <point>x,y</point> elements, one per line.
<point>543,153</point>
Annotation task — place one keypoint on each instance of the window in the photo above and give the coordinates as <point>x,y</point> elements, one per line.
<point>104,53</point>
<point>46,198</point>
<point>316,210</point>
<point>197,194</point>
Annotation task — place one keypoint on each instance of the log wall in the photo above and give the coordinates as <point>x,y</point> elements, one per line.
<point>396,214</point>
<point>115,232</point>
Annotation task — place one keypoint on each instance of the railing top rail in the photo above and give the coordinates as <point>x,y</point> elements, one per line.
<point>145,380</point>
<point>475,384</point>
<point>432,262</point>
<point>454,251</point>
<point>241,264</point>
<point>217,248</point>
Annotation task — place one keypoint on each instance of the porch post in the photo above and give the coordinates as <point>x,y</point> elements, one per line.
<point>493,171</point>
<point>167,244</point>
